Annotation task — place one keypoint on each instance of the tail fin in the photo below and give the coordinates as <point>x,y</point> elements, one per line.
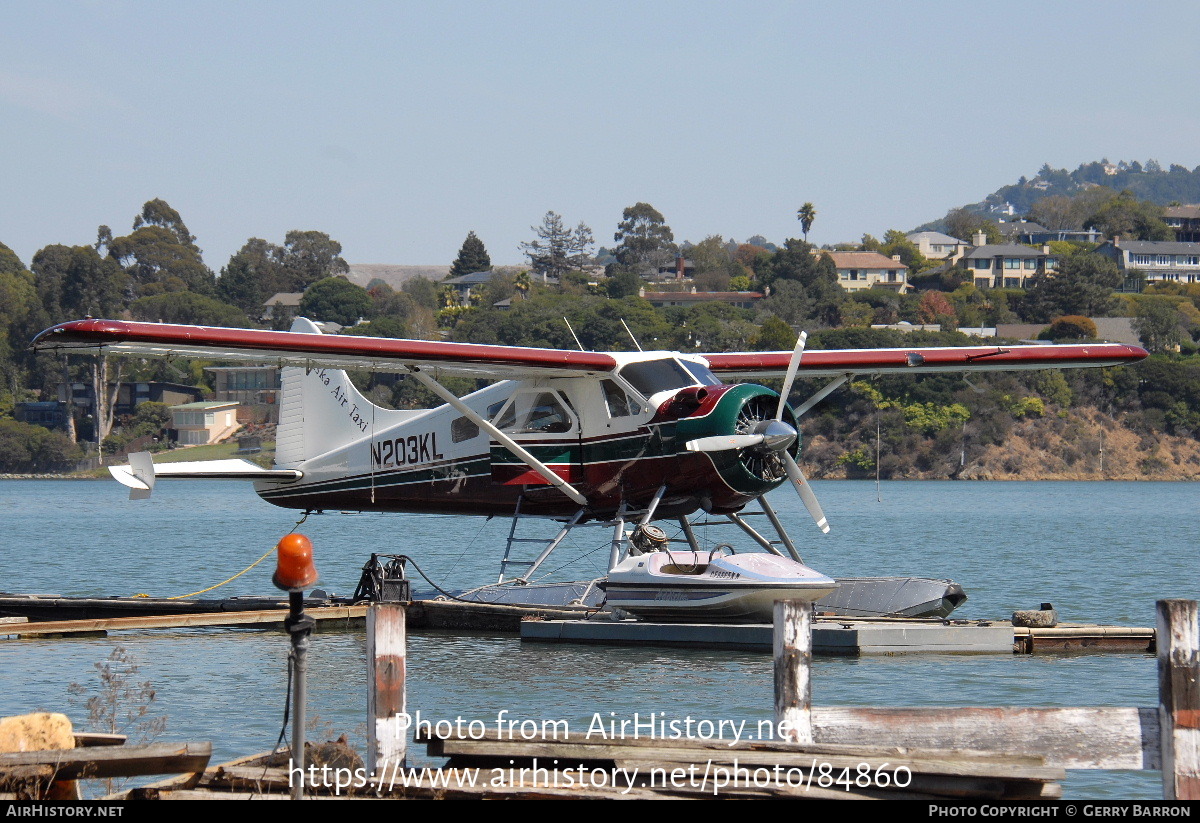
<point>320,410</point>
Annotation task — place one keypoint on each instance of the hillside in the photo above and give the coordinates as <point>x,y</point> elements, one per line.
<point>1149,181</point>
<point>1036,449</point>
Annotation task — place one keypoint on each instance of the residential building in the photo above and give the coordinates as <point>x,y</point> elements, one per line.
<point>1035,234</point>
<point>50,414</point>
<point>934,245</point>
<point>1006,265</point>
<point>254,388</point>
<point>741,299</point>
<point>678,268</point>
<point>1185,220</point>
<point>288,301</point>
<point>862,270</point>
<point>1153,261</point>
<point>129,394</point>
<point>197,424</point>
<point>464,284</point>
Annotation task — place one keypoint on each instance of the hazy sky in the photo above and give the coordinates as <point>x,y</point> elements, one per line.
<point>397,127</point>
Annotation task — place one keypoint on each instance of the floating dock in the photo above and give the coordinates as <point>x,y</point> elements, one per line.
<point>831,636</point>
<point>836,637</point>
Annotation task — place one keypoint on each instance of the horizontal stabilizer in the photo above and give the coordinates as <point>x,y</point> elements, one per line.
<point>141,473</point>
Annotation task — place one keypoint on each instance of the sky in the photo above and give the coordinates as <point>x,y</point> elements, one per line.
<point>398,127</point>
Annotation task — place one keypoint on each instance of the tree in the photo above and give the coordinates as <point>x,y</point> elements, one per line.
<point>964,224</point>
<point>1126,216</point>
<point>816,274</point>
<point>21,316</point>
<point>423,290</point>
<point>1082,285</point>
<point>1158,324</point>
<point>806,215</point>
<point>335,300</point>
<point>158,212</point>
<point>1071,327</point>
<point>187,308</point>
<point>557,249</point>
<point>160,254</point>
<point>252,276</point>
<point>935,307</point>
<point>309,256</point>
<point>624,284</point>
<point>75,282</point>
<point>895,242</point>
<point>645,240</point>
<point>774,335</point>
<point>472,257</point>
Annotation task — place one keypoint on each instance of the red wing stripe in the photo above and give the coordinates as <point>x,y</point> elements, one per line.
<point>973,358</point>
<point>95,333</point>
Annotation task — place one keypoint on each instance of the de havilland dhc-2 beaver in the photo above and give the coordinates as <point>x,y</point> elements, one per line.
<point>617,438</point>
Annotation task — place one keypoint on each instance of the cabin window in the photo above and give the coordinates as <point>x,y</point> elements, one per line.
<point>653,376</point>
<point>534,412</point>
<point>461,428</point>
<point>617,401</point>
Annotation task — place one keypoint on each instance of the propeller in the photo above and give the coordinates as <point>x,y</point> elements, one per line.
<point>793,469</point>
<point>773,436</point>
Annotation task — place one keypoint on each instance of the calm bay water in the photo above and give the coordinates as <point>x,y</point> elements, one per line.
<point>1101,552</point>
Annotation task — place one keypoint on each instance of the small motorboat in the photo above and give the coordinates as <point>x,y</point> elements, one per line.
<point>717,586</point>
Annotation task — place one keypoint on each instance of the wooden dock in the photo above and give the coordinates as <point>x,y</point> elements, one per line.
<point>832,635</point>
<point>804,751</point>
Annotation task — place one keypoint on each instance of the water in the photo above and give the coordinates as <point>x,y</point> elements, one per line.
<point>1101,552</point>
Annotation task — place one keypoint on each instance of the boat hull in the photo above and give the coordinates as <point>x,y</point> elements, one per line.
<point>695,587</point>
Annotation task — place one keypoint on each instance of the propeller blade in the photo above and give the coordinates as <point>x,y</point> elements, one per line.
<point>722,443</point>
<point>805,491</point>
<point>790,377</point>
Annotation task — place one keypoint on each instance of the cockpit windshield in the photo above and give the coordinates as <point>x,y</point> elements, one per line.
<point>652,376</point>
<point>701,373</point>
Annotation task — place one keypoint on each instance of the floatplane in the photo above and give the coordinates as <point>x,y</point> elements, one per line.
<point>619,439</point>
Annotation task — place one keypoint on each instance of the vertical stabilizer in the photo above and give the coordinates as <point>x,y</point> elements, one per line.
<point>320,410</point>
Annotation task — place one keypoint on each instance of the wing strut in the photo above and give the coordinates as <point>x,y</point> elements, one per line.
<point>504,440</point>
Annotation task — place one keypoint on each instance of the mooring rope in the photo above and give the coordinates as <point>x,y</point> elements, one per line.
<point>236,576</point>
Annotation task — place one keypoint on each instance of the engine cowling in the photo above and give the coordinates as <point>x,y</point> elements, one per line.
<point>744,413</point>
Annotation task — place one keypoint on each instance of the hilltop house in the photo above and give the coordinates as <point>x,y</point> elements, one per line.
<point>1006,265</point>
<point>933,245</point>
<point>1185,220</point>
<point>1153,261</point>
<point>862,270</point>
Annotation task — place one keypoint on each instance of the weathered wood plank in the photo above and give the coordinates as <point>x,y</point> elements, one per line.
<point>116,761</point>
<point>182,621</point>
<point>946,763</point>
<point>1179,698</point>
<point>1069,738</point>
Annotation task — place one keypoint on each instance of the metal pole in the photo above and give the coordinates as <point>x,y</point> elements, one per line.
<point>299,625</point>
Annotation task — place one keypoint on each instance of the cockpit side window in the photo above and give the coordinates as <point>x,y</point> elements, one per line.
<point>653,376</point>
<point>617,401</point>
<point>701,373</point>
<point>534,411</point>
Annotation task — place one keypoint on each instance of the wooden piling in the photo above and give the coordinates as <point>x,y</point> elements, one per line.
<point>1179,698</point>
<point>386,657</point>
<point>793,670</point>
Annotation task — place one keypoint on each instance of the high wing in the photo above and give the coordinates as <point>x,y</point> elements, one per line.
<point>840,362</point>
<point>301,349</point>
<point>505,362</point>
